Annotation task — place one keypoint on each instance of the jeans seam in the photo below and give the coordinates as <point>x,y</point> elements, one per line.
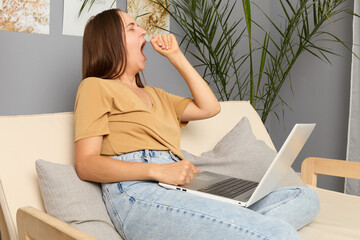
<point>242,228</point>
<point>116,213</point>
<point>308,219</point>
<point>279,204</point>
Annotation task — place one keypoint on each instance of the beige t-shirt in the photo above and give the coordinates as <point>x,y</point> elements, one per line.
<point>110,109</point>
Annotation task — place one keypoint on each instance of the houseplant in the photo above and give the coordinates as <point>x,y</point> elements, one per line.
<point>211,37</point>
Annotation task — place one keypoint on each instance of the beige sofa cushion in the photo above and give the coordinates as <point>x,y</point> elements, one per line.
<point>202,136</point>
<point>338,219</point>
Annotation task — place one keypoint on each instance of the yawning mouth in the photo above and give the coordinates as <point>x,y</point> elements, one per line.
<point>142,48</point>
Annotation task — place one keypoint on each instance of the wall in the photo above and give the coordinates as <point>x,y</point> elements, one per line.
<point>321,96</point>
<point>41,73</point>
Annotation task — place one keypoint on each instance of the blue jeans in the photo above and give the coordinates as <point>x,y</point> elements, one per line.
<point>144,210</point>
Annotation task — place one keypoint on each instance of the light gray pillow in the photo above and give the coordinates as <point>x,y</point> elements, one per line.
<point>240,154</point>
<point>74,201</point>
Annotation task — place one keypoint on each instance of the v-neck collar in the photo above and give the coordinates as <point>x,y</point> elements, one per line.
<point>139,98</point>
<point>151,99</point>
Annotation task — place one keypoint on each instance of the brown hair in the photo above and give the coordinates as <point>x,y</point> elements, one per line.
<point>104,52</point>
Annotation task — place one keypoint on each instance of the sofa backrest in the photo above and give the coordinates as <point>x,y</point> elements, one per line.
<point>25,139</point>
<point>201,136</point>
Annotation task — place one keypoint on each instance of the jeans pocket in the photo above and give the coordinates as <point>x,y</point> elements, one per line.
<point>174,157</point>
<point>118,204</point>
<point>164,158</point>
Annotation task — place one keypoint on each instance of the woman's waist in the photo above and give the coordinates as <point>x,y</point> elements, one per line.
<point>149,156</point>
<point>111,147</point>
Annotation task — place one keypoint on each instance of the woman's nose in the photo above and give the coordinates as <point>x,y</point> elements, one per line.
<point>143,32</point>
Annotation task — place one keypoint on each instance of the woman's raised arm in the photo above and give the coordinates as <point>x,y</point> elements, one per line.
<point>205,104</point>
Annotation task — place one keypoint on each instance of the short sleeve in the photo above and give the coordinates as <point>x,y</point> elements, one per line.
<point>179,104</point>
<point>91,110</point>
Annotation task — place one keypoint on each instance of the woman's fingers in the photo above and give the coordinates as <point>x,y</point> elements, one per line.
<point>189,170</point>
<point>178,173</point>
<point>165,44</point>
<point>166,40</point>
<point>157,42</point>
<point>163,41</point>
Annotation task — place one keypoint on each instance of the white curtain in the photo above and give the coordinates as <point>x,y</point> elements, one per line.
<point>352,186</point>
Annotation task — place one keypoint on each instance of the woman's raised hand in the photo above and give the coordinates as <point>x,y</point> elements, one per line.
<point>165,44</point>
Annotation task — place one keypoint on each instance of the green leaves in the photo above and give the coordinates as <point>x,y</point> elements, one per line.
<point>298,36</point>
<point>247,13</point>
<point>91,2</point>
<point>213,40</point>
<point>299,31</point>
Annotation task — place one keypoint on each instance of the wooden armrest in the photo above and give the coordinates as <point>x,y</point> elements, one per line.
<point>34,224</point>
<point>311,167</point>
<point>4,233</point>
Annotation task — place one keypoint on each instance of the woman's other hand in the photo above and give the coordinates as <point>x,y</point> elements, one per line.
<point>165,44</point>
<point>178,173</point>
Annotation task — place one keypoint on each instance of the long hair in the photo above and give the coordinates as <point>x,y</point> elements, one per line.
<point>103,51</point>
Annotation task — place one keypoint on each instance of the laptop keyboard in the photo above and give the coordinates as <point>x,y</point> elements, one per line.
<point>229,188</point>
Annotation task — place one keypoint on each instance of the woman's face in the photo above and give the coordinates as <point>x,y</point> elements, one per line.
<point>135,43</point>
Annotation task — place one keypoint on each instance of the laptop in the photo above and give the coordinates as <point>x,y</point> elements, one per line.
<point>242,192</point>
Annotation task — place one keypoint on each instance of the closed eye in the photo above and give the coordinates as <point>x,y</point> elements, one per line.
<point>131,26</point>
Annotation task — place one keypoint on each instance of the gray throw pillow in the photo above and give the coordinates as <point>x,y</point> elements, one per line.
<point>77,202</point>
<point>240,154</point>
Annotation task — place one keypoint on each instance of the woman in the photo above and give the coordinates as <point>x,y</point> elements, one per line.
<point>128,138</point>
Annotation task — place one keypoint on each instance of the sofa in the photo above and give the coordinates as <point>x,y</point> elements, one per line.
<point>37,158</point>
